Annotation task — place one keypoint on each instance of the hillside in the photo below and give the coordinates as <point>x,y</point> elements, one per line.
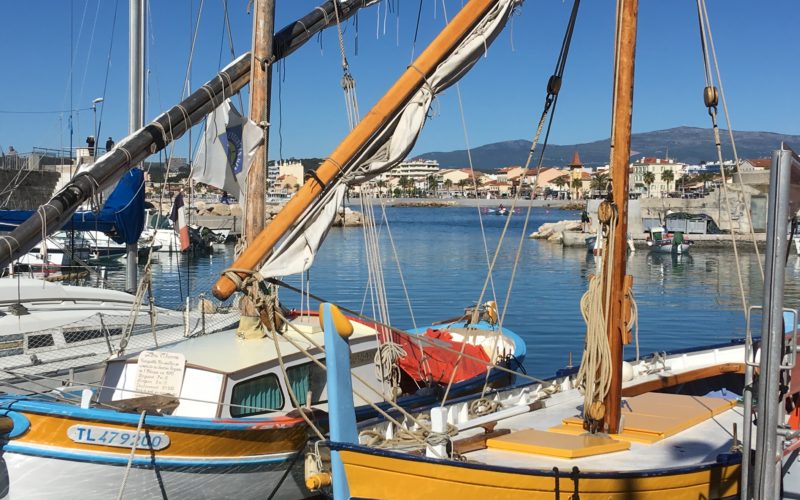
<point>685,144</point>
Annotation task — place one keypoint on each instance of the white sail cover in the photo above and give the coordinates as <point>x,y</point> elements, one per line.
<point>387,148</point>
<point>227,150</point>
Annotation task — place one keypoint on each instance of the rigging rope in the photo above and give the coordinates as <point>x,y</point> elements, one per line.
<point>711,99</point>
<point>375,407</point>
<point>551,100</point>
<point>422,338</point>
<point>348,82</point>
<point>131,456</point>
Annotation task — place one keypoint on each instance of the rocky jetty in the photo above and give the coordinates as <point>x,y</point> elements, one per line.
<point>348,218</point>
<point>221,209</point>
<point>554,231</point>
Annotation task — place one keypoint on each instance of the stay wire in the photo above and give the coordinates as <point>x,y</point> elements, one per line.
<point>551,101</point>
<point>711,104</point>
<point>733,141</point>
<point>108,70</point>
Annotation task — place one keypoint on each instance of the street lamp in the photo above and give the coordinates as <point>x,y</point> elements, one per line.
<point>94,126</point>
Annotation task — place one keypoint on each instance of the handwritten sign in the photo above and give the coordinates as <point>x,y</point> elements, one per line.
<point>160,373</point>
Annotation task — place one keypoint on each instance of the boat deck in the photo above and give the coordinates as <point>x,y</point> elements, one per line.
<point>700,443</point>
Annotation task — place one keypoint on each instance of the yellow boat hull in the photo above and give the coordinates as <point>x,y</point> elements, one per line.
<point>378,474</point>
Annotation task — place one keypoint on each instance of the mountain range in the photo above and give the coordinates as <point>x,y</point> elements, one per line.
<point>684,144</point>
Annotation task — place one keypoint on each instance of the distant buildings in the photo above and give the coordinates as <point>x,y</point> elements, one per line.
<point>284,178</point>
<point>654,177</point>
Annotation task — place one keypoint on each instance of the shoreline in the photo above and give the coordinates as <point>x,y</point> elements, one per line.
<point>476,202</point>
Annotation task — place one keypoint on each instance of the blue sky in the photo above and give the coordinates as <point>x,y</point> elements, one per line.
<point>502,96</point>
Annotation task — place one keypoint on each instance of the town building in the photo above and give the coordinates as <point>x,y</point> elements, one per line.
<point>418,172</point>
<point>576,176</point>
<point>656,184</point>
<point>281,168</point>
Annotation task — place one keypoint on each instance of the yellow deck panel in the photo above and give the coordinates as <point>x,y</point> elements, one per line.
<point>556,444</point>
<point>656,403</point>
<point>653,416</point>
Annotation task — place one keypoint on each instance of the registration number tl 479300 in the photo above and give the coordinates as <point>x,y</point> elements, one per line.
<point>121,438</point>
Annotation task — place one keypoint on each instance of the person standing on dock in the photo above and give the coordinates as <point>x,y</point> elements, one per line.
<point>109,144</point>
<point>90,145</point>
<point>585,221</point>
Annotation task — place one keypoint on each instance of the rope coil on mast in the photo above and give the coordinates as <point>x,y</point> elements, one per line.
<point>594,374</point>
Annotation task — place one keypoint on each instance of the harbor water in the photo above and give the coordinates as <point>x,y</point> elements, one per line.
<point>683,301</point>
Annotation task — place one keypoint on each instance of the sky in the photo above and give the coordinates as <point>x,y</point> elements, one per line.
<point>62,54</point>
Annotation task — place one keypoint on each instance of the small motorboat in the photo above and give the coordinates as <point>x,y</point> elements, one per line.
<point>664,242</point>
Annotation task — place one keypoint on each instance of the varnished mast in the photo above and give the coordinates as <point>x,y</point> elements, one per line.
<point>397,96</point>
<point>260,87</point>
<point>620,160</point>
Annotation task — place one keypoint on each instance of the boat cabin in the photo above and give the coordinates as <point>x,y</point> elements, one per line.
<point>224,376</point>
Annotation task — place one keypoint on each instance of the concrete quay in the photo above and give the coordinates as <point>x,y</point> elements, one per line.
<point>744,241</point>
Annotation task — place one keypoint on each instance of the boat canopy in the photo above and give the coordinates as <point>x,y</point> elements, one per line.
<point>121,218</point>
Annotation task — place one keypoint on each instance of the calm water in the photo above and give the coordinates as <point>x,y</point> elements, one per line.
<point>683,301</point>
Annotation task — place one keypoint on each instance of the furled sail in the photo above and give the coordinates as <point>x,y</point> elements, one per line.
<point>390,145</point>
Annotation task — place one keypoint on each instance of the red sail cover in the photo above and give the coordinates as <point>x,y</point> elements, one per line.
<point>438,363</point>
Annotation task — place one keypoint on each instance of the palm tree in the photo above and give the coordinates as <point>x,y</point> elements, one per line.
<point>448,183</point>
<point>405,183</point>
<point>462,184</point>
<point>478,183</point>
<point>668,176</point>
<point>599,182</point>
<point>577,184</point>
<point>433,184</point>
<point>381,184</point>
<point>648,178</point>
<point>560,182</point>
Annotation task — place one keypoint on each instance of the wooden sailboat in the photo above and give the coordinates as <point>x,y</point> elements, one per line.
<point>214,414</point>
<point>669,426</point>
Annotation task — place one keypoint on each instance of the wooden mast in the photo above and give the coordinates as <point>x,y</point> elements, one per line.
<point>260,87</point>
<point>411,80</point>
<point>620,158</point>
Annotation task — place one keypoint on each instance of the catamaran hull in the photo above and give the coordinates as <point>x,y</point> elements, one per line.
<point>380,474</point>
<point>25,477</point>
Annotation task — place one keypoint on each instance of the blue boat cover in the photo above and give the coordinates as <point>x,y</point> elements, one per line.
<point>121,218</point>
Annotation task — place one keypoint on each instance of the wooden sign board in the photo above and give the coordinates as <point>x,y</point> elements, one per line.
<point>160,373</point>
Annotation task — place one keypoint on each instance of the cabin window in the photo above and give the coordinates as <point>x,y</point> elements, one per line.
<point>299,382</point>
<point>259,395</point>
<point>304,378</point>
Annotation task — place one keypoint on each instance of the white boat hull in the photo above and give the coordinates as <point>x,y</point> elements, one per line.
<point>72,479</point>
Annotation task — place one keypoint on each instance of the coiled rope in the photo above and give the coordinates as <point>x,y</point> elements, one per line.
<point>594,374</point>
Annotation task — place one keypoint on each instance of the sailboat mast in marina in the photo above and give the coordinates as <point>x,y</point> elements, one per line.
<point>380,140</point>
<point>615,215</point>
<point>215,415</point>
<point>260,87</point>
<point>666,428</point>
<point>136,104</point>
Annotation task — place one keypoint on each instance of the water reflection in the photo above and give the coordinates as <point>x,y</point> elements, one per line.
<point>684,300</point>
